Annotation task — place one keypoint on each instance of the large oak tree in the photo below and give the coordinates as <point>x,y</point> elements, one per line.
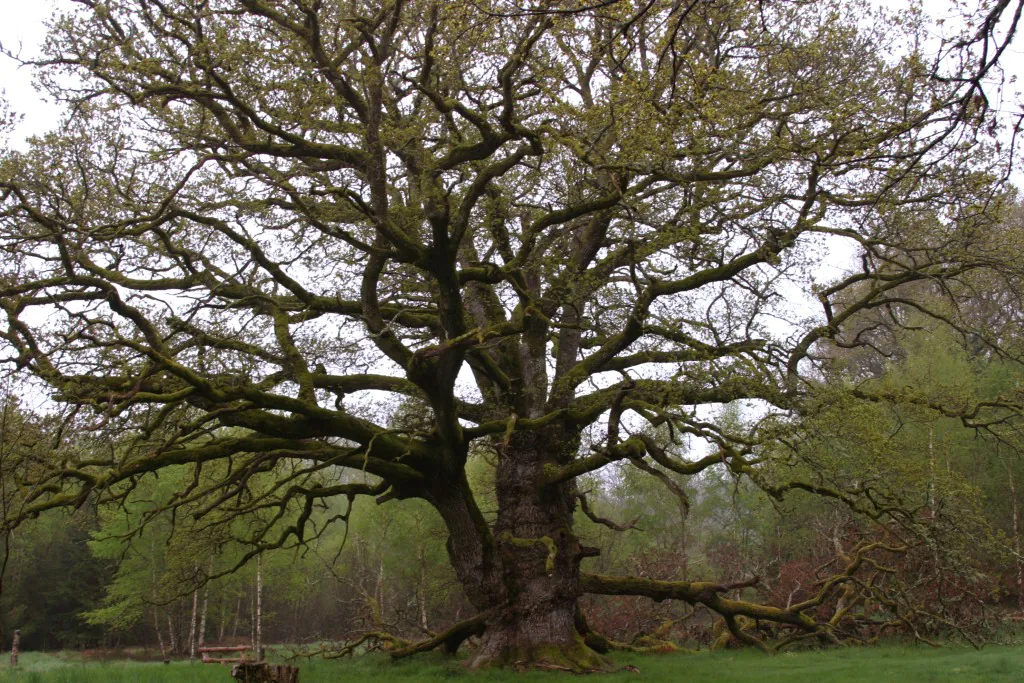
<point>265,223</point>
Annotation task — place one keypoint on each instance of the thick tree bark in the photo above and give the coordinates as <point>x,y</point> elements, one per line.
<point>524,579</point>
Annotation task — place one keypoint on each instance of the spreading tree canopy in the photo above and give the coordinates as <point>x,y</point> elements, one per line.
<point>304,238</point>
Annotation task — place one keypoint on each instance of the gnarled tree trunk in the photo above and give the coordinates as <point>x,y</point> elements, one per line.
<point>524,578</point>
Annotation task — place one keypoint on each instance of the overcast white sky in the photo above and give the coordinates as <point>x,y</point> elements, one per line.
<point>23,25</point>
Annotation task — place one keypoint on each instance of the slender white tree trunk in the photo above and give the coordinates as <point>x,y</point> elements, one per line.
<point>222,623</point>
<point>156,617</point>
<point>421,590</point>
<point>238,614</point>
<point>252,620</point>
<point>159,635</point>
<point>192,625</point>
<point>931,462</point>
<point>258,645</point>
<point>170,630</point>
<point>379,588</point>
<point>203,610</point>
<point>1018,563</point>
<point>15,648</point>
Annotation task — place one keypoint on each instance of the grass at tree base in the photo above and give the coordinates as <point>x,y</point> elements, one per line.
<point>878,664</point>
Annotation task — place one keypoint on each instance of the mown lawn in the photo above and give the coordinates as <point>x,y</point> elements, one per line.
<point>875,665</point>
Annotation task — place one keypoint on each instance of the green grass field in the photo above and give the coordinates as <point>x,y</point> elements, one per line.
<point>876,665</point>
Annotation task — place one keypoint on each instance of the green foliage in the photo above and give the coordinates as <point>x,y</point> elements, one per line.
<point>52,582</point>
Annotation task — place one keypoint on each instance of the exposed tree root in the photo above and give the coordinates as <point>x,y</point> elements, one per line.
<point>575,657</point>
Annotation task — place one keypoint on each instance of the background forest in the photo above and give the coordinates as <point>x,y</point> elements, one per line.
<point>132,575</point>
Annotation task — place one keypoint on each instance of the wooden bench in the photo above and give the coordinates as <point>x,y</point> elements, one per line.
<point>207,659</point>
